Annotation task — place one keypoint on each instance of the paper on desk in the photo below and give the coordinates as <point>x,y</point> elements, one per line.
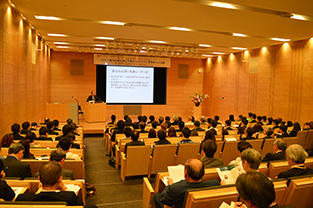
<point>176,172</point>
<point>72,187</point>
<point>17,190</point>
<point>225,205</point>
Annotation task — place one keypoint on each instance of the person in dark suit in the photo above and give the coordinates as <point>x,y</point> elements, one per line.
<point>34,126</point>
<point>50,127</point>
<point>93,97</point>
<point>181,125</point>
<point>162,140</point>
<point>43,134</point>
<point>72,137</point>
<point>118,130</point>
<point>134,136</point>
<point>279,147</point>
<point>25,127</point>
<point>12,165</point>
<point>253,117</point>
<point>197,126</point>
<point>16,129</point>
<point>209,148</point>
<point>142,127</point>
<point>56,125</point>
<point>66,130</point>
<point>249,132</point>
<point>228,125</point>
<point>268,131</point>
<point>6,192</point>
<point>283,131</point>
<point>173,194</point>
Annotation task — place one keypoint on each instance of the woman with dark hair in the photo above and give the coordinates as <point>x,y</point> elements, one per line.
<point>6,191</point>
<point>295,130</point>
<point>7,140</point>
<point>30,138</point>
<point>152,133</point>
<point>270,121</point>
<point>194,133</point>
<point>231,117</point>
<point>210,134</point>
<point>27,153</point>
<point>172,132</point>
<point>258,128</point>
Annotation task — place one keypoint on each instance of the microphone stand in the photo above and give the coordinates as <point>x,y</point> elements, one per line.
<point>77,109</point>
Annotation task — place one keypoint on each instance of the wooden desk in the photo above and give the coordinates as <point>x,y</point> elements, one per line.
<point>95,112</point>
<point>58,111</point>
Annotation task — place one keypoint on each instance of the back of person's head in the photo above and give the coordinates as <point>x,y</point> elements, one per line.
<point>46,120</point>
<point>214,123</point>
<point>269,131</point>
<point>181,124</point>
<point>69,121</point>
<point>281,144</point>
<point>283,128</point>
<point>164,126</point>
<point>231,117</point>
<point>216,118</point>
<point>152,133</point>
<point>296,153</point>
<point>72,136</point>
<point>139,118</point>
<point>57,155</point>
<point>7,140</point>
<point>289,123</point>
<point>16,128</point>
<point>127,131</point>
<point>210,134</point>
<point>228,122</point>
<point>154,124</point>
<point>49,124</point>
<point>161,119</point>
<point>15,148</point>
<point>264,118</point>
<point>30,137</point>
<point>253,116</point>
<point>270,120</point>
<point>296,126</point>
<point>113,117</point>
<point>125,117</point>
<point>192,119</point>
<point>56,122</point>
<point>120,124</point>
<point>74,126</point>
<point>134,135</point>
<point>26,147</point>
<point>258,127</point>
<point>203,119</point>
<point>242,145</point>
<point>209,147</point>
<point>175,117</point>
<point>144,119</point>
<point>197,123</point>
<point>194,133</point>
<point>168,124</point>
<point>250,114</point>
<point>186,132</point>
<point>167,118</point>
<point>65,143</point>
<point>241,130</point>
<point>209,120</point>
<point>259,118</point>
<point>152,118</point>
<point>161,134</point>
<point>25,125</point>
<point>255,187</point>
<point>34,124</point>
<point>245,121</point>
<point>142,125</point>
<point>225,132</point>
<point>276,122</point>
<point>135,125</point>
<point>172,132</point>
<point>66,129</point>
<point>249,131</point>
<point>194,168</point>
<point>1,167</point>
<point>279,119</point>
<point>50,173</point>
<point>43,131</point>
<point>253,158</point>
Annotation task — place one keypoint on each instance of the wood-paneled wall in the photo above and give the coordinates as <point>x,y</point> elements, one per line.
<point>24,86</point>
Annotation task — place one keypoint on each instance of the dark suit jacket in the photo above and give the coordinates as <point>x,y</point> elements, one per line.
<point>133,143</point>
<point>53,132</point>
<point>68,196</point>
<point>90,98</point>
<point>6,191</point>
<point>247,138</point>
<point>44,138</point>
<point>274,156</point>
<point>65,173</point>
<point>15,168</point>
<point>199,129</point>
<point>295,172</point>
<point>283,135</point>
<point>18,137</point>
<point>23,131</point>
<point>174,194</point>
<point>229,128</point>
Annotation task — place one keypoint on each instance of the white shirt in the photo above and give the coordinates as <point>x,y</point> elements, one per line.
<point>70,155</point>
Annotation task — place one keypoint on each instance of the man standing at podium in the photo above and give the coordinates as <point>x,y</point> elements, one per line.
<point>93,97</point>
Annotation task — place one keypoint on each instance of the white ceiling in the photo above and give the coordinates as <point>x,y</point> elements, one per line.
<point>150,19</point>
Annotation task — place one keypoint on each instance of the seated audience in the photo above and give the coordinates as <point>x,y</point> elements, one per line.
<point>190,121</point>
<point>142,127</point>
<point>259,120</point>
<point>74,145</point>
<point>16,129</point>
<point>25,127</point>
<point>306,126</point>
<point>172,132</point>
<point>118,130</point>
<point>241,146</point>
<point>174,193</point>
<point>69,121</point>
<point>162,140</point>
<point>186,134</point>
<point>161,120</point>
<point>295,130</point>
<point>253,117</point>
<point>13,166</point>
<point>282,131</point>
<point>279,147</point>
<point>228,125</point>
<point>249,132</point>
<point>194,133</point>
<point>7,140</point>
<point>151,118</point>
<point>56,125</point>
<point>6,192</point>
<point>251,159</point>
<point>216,118</point>
<point>175,120</point>
<point>209,135</point>
<point>34,126</point>
<point>50,127</point>
<point>197,126</point>
<point>209,148</point>
<point>231,117</point>
<point>134,136</point>
<point>258,128</point>
<point>43,134</point>
<point>144,119</point>
<point>113,118</point>
<point>74,128</point>
<point>212,125</point>
<point>65,130</point>
<point>164,126</point>
<point>276,123</point>
<point>203,120</point>
<point>268,131</point>
<point>270,121</point>
<point>30,138</point>
<point>296,156</point>
<point>154,124</point>
<point>181,125</point>
<point>152,133</point>
<point>65,144</point>
<point>27,153</point>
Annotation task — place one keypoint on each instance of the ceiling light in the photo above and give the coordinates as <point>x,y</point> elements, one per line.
<point>222,5</point>
<point>62,47</point>
<point>113,23</point>
<point>206,55</point>
<point>219,53</point>
<point>239,35</point>
<point>105,38</point>
<point>281,39</point>
<point>46,17</point>
<point>156,41</point>
<point>57,35</point>
<point>60,43</point>
<point>204,45</point>
<point>239,48</point>
<point>100,45</point>
<point>180,28</point>
<point>98,49</point>
<point>298,17</point>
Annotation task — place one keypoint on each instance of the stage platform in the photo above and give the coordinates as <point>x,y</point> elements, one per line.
<point>92,128</point>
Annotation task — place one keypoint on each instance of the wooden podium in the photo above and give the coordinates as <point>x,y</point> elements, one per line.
<point>197,110</point>
<point>95,112</point>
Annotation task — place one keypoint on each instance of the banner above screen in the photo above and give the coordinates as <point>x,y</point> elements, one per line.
<point>121,60</point>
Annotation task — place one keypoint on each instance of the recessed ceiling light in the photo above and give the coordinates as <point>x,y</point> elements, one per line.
<point>206,55</point>
<point>98,49</point>
<point>113,23</point>
<point>57,35</point>
<point>180,28</point>
<point>62,47</point>
<point>281,39</point>
<point>59,43</point>
<point>100,45</point>
<point>47,17</point>
<point>222,5</point>
<point>239,48</point>
<point>204,45</point>
<point>156,41</point>
<point>105,38</point>
<point>298,17</point>
<point>219,53</point>
<point>239,35</point>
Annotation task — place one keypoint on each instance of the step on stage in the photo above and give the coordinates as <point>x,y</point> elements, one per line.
<point>92,128</point>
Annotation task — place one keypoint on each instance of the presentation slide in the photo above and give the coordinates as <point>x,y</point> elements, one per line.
<point>126,84</point>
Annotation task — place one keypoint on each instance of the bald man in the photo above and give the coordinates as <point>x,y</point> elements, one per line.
<point>174,193</point>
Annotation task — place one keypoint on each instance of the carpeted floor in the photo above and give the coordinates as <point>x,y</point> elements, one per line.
<point>111,191</point>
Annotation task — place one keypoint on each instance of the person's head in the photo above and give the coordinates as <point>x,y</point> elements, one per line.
<point>72,136</point>
<point>241,130</point>
<point>210,134</point>
<point>16,128</point>
<point>181,124</point>
<point>175,118</point>
<point>186,132</point>
<point>154,124</point>
<point>113,117</point>
<point>30,137</point>
<point>306,125</point>
<point>225,132</point>
<point>194,133</point>
<point>242,145</point>
<point>164,126</point>
<point>231,117</point>
<point>213,123</point>
<point>127,131</point>
<point>142,125</point>
<point>56,123</point>
<point>50,174</point>
<point>135,125</point>
<point>172,132</point>
<point>25,125</point>
<point>152,133</point>
<point>167,118</point>
<point>43,131</point>
<point>46,120</point>
<point>258,127</point>
<point>7,140</point>
<point>69,121</point>
<point>203,119</point>
<point>264,118</point>
<point>73,126</point>
<point>276,122</point>
<point>34,125</point>
<point>192,119</point>
<point>144,119</point>
<point>228,122</point>
<point>296,154</point>
<point>279,119</point>
<point>245,121</point>
<point>197,123</point>
<point>279,144</point>
<point>255,189</point>
<point>250,114</point>
<point>93,93</point>
<point>57,155</point>
<point>26,147</point>
<point>296,126</point>
<point>134,135</point>
<point>50,125</point>
<point>289,123</point>
<point>17,150</point>
<point>253,116</point>
<point>283,128</point>
<point>209,148</point>
<point>65,143</point>
<point>139,118</point>
<point>259,118</point>
<point>194,170</point>
<point>216,118</point>
<point>270,120</point>
<point>66,129</point>
<point>249,131</point>
<point>161,119</point>
<point>161,134</point>
<point>151,117</point>
<point>120,124</point>
<point>269,131</point>
<point>251,159</point>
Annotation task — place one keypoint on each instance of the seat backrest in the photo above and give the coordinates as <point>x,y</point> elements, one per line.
<point>309,140</point>
<point>137,160</point>
<point>267,146</point>
<point>280,187</point>
<point>187,151</point>
<point>276,167</point>
<point>302,135</point>
<point>229,151</point>
<point>163,156</point>
<point>291,140</point>
<point>219,148</point>
<point>256,143</point>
